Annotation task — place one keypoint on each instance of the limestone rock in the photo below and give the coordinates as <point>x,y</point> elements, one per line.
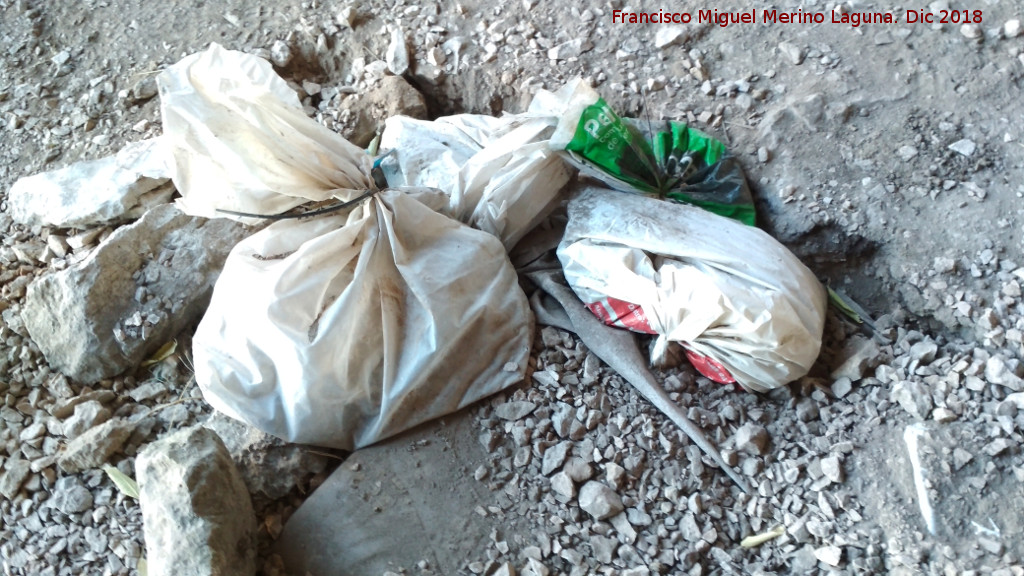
<point>571,49</point>
<point>268,465</point>
<point>857,357</point>
<point>670,35</point>
<point>398,53</point>
<point>599,500</point>
<point>14,473</point>
<point>752,438</point>
<point>280,53</point>
<point>196,511</point>
<point>914,397</point>
<point>87,415</point>
<point>829,554</point>
<point>563,486</point>
<point>390,96</point>
<point>95,447</point>
<point>70,496</point>
<point>132,294</point>
<point>94,192</point>
<point>554,457</point>
<point>515,410</point>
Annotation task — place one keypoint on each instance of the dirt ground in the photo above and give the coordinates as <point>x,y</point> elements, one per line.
<point>888,156</point>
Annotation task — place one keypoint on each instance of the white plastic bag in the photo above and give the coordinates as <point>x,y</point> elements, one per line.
<point>341,331</point>
<point>730,293</point>
<point>502,176</point>
<point>240,140</point>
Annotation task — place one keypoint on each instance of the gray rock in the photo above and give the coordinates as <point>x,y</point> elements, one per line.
<point>807,410</point>
<point>858,356</point>
<point>832,468</point>
<point>924,352</point>
<point>689,529</point>
<point>561,420</point>
<point>961,457</point>
<point>841,387</point>
<point>144,89</point>
<point>94,192</point>
<point>555,456</point>
<point>829,554</point>
<point>603,548</point>
<point>70,496</point>
<point>390,96</point>
<point>914,397</point>
<point>599,500</point>
<point>803,560</point>
<point>752,439</point>
<point>963,147</point>
<point>622,526</point>
<point>571,49</point>
<point>95,447</point>
<point>578,470</point>
<point>792,52</point>
<point>280,53</point>
<point>87,415</point>
<point>563,487</point>
<point>15,472</point>
<point>398,53</point>
<point>615,474</point>
<point>997,446</point>
<point>638,517</point>
<point>997,372</point>
<point>196,511</point>
<point>670,35</point>
<point>269,466</point>
<point>514,410</point>
<point>86,319</point>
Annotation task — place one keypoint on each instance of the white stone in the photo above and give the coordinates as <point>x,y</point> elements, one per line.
<point>792,52</point>
<point>280,54</point>
<point>571,49</point>
<point>829,554</point>
<point>563,486</point>
<point>554,457</point>
<point>535,568</point>
<point>514,410</point>
<point>436,56</point>
<point>832,469</point>
<point>398,53</point>
<point>97,191</point>
<point>196,510</point>
<point>752,438</point>
<point>311,88</point>
<point>971,31</point>
<point>346,17</point>
<point>1012,28</point>
<point>669,36</point>
<point>599,500</point>
<point>964,147</point>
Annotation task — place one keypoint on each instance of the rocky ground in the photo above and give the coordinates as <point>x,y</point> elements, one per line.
<point>887,156</point>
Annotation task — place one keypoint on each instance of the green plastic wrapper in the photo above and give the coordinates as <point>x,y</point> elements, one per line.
<point>669,160</point>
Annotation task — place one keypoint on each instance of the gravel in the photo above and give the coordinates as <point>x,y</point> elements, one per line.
<point>925,240</point>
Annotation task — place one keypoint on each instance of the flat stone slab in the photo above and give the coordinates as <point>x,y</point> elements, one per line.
<point>393,505</point>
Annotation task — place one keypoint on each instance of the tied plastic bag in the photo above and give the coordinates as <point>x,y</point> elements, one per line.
<point>502,175</point>
<point>240,141</point>
<point>744,307</point>
<point>343,331</point>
